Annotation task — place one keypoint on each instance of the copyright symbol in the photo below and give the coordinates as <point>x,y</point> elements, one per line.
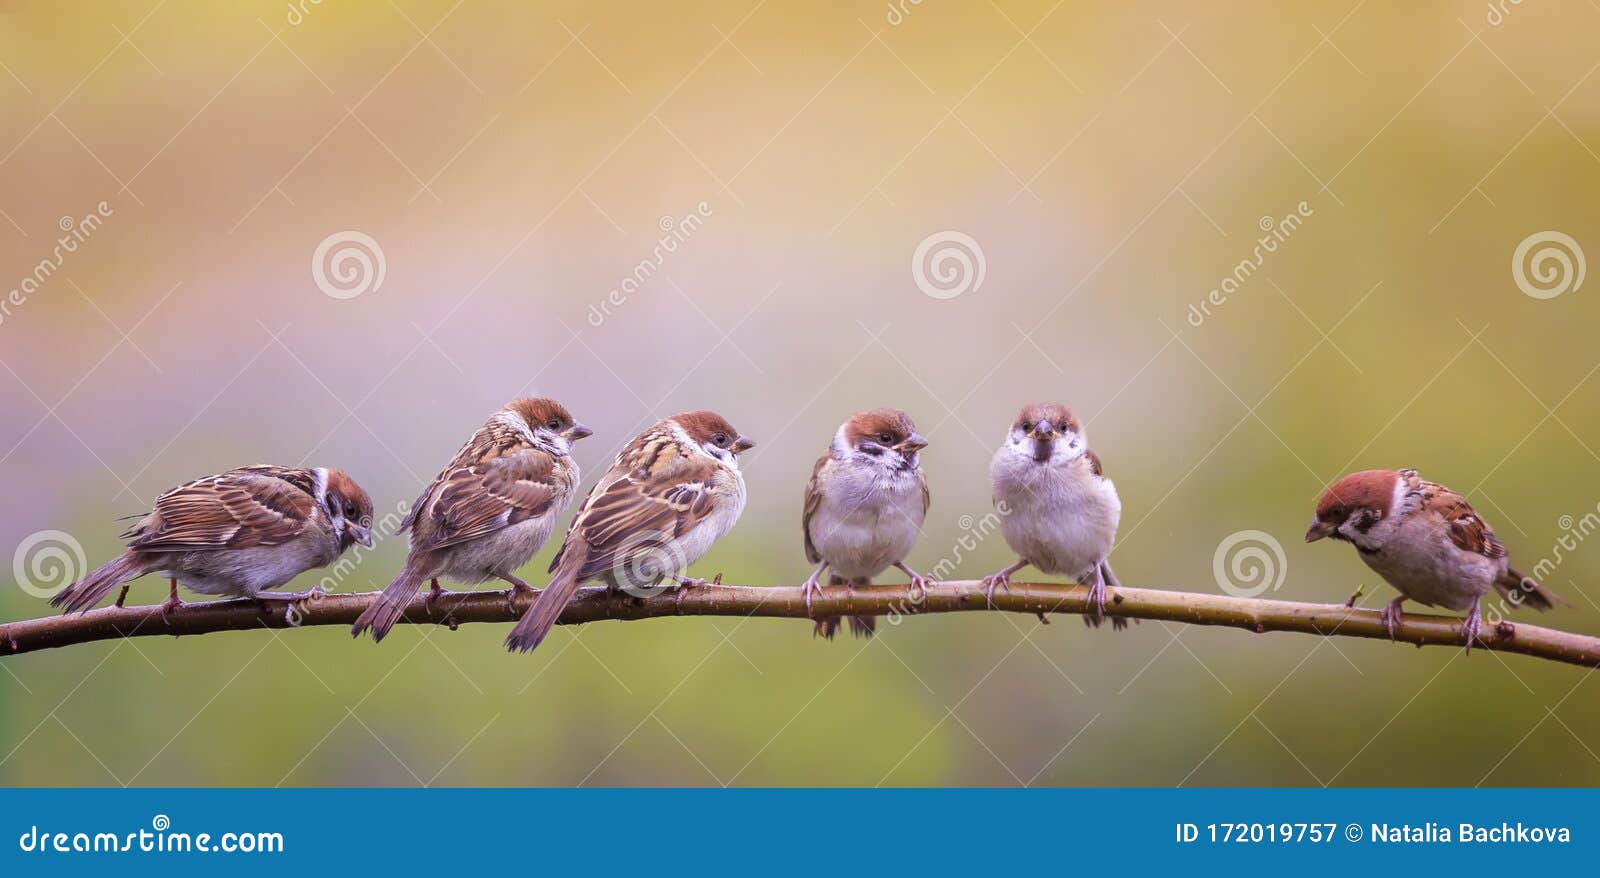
<point>1353,832</point>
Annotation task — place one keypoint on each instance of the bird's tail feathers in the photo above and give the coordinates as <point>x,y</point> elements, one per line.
<point>384,612</point>
<point>535,624</point>
<point>82,595</point>
<point>1524,591</point>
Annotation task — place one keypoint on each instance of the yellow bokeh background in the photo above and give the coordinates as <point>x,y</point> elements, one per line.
<point>1113,161</point>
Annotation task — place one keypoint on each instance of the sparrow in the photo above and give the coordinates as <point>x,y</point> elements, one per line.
<point>1425,540</point>
<point>240,534</point>
<point>490,510</point>
<point>671,492</point>
<point>864,508</point>
<point>1058,511</point>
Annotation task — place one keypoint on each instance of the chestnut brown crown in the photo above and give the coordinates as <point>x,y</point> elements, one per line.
<point>351,497</point>
<point>711,428</point>
<point>541,412</point>
<point>1369,489</point>
<point>889,427</point>
<point>1059,417</point>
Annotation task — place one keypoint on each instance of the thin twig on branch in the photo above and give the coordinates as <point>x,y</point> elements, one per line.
<point>593,604</point>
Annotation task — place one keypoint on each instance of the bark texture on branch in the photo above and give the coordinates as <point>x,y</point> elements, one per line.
<point>592,605</point>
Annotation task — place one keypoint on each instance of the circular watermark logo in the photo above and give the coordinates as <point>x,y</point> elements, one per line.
<point>1249,563</point>
<point>1548,264</point>
<point>947,264</point>
<point>645,560</point>
<point>347,264</point>
<point>47,562</point>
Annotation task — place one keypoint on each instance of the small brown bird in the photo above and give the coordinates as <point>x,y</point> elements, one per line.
<point>1425,540</point>
<point>1058,511</point>
<point>672,492</point>
<point>864,508</point>
<point>240,533</point>
<point>490,510</point>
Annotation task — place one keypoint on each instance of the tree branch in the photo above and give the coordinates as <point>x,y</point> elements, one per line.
<point>592,605</point>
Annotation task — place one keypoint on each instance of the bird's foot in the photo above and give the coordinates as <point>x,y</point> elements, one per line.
<point>290,597</point>
<point>1097,605</point>
<point>1391,616</point>
<point>1000,578</point>
<point>811,588</point>
<point>517,589</point>
<point>171,605</point>
<point>122,596</point>
<point>1470,627</point>
<point>687,582</point>
<point>919,588</point>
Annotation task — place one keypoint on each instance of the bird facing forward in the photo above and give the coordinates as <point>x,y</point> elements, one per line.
<point>1426,541</point>
<point>864,508</point>
<point>490,510</point>
<point>240,534</point>
<point>1057,509</point>
<point>672,492</point>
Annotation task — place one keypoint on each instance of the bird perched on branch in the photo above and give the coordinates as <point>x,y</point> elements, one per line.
<point>1426,541</point>
<point>490,510</point>
<point>240,534</point>
<point>864,508</point>
<point>1058,511</point>
<point>672,492</point>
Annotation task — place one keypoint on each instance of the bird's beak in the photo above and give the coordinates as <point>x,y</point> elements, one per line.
<point>742,444</point>
<point>1043,431</point>
<point>1317,531</point>
<point>578,431</point>
<point>362,534</point>
<point>914,442</point>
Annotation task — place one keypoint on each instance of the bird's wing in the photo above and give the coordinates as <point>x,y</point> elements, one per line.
<point>242,508</point>
<point>1094,463</point>
<point>479,498</point>
<point>813,502</point>
<point>645,509</point>
<point>1467,530</point>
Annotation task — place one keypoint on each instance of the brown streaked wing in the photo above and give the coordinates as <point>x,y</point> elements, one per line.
<point>1469,532</point>
<point>474,501</point>
<point>235,510</point>
<point>668,501</point>
<point>813,502</point>
<point>1094,463</point>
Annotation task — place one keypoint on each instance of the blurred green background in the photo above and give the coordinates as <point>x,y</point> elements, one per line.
<point>516,162</point>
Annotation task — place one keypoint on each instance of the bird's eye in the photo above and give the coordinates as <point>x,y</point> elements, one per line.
<point>553,424</point>
<point>720,438</point>
<point>1027,427</point>
<point>349,511</point>
<point>885,438</point>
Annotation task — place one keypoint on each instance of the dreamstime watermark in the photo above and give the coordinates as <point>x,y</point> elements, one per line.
<point>675,231</point>
<point>1498,10</point>
<point>159,839</point>
<point>47,562</point>
<point>1574,532</point>
<point>348,562</point>
<point>1548,264</point>
<point>899,9</point>
<point>299,9</point>
<point>947,264</point>
<point>1249,563</point>
<point>647,562</point>
<point>74,232</point>
<point>347,264</point>
<point>975,531</point>
<point>1275,233</point>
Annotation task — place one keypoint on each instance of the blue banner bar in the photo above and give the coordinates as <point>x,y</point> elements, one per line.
<point>62,832</point>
